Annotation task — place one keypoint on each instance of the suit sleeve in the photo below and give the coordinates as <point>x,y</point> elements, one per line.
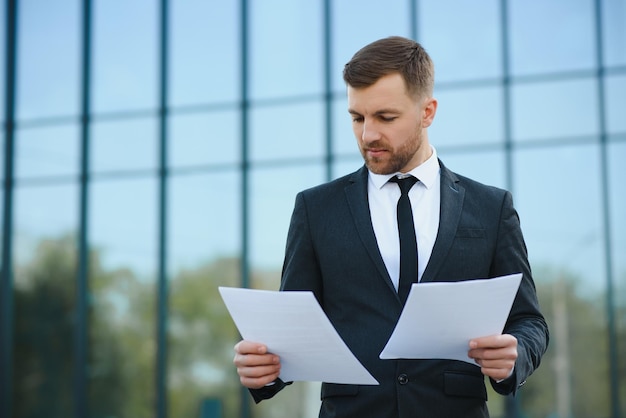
<point>525,321</point>
<point>301,270</point>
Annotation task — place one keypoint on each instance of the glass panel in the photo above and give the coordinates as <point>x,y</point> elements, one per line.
<point>458,112</point>
<point>128,144</point>
<point>204,248</point>
<point>2,157</point>
<point>285,48</point>
<point>487,167</point>
<point>451,30</point>
<point>553,196</point>
<point>354,26</point>
<point>202,34</point>
<point>614,32</point>
<point>560,109</point>
<point>561,214</point>
<point>287,132</point>
<point>125,41</point>
<point>47,151</point>
<point>347,165</point>
<point>617,199</point>
<point>615,91</point>
<point>3,65</point>
<point>205,139</point>
<point>550,36</point>
<point>344,142</point>
<point>48,59</point>
<point>122,283</point>
<point>44,285</point>
<point>272,196</point>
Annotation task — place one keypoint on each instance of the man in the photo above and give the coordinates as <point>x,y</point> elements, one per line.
<point>344,246</point>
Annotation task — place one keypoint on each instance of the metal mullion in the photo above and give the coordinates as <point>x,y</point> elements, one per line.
<point>328,89</point>
<point>512,404</point>
<point>162,284</point>
<point>81,345</point>
<point>614,384</point>
<point>414,7</point>
<point>245,174</point>
<point>6,278</point>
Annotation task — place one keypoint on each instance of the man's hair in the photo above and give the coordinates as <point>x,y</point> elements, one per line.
<point>391,55</point>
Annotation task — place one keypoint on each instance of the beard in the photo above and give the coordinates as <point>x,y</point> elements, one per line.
<point>395,159</point>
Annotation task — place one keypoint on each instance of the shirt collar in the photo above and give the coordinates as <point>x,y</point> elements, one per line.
<point>426,172</point>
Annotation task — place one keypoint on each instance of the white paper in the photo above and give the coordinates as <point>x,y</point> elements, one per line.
<point>293,326</point>
<point>440,318</point>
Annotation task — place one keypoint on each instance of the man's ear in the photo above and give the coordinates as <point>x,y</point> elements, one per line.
<point>429,111</point>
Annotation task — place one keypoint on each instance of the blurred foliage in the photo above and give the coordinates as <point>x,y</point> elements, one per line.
<point>202,337</point>
<point>121,372</point>
<point>44,303</point>
<point>574,373</point>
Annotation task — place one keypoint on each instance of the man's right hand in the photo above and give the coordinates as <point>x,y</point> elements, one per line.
<point>255,366</point>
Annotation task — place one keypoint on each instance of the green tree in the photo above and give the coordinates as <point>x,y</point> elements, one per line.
<point>45,303</point>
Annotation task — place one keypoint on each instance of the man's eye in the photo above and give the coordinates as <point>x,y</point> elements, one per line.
<point>357,119</point>
<point>388,118</point>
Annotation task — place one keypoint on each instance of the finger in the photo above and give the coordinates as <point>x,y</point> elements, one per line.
<point>494,354</point>
<point>496,373</point>
<point>493,341</point>
<point>258,382</point>
<point>497,364</point>
<point>257,372</point>
<point>255,360</point>
<point>257,377</point>
<point>250,347</point>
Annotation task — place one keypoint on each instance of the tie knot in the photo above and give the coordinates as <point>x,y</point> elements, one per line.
<point>405,183</point>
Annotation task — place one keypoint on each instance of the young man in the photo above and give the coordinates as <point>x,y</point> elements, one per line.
<point>344,244</point>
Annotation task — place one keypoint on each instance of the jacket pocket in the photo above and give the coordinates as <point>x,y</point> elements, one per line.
<point>464,384</point>
<point>332,389</point>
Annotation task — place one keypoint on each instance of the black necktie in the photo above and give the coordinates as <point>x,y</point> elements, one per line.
<point>408,242</point>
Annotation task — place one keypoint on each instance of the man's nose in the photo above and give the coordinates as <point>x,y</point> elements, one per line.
<point>370,132</point>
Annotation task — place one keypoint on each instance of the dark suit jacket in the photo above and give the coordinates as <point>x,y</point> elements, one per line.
<point>332,251</point>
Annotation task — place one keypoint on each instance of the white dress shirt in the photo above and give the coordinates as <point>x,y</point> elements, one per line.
<point>425,198</point>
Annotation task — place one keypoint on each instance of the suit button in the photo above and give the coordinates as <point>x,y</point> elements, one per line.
<point>403,379</point>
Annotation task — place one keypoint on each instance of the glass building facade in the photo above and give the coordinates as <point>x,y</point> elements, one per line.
<point>152,150</point>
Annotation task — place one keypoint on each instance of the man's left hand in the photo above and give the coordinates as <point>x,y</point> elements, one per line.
<point>495,355</point>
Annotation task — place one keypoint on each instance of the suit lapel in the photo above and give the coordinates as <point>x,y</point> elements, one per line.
<point>356,195</point>
<point>452,194</point>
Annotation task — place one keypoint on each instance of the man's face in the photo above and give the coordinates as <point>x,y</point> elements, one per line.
<point>390,126</point>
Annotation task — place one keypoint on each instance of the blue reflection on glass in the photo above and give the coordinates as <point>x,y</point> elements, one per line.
<point>286,55</point>
<point>208,138</point>
<point>560,109</point>
<point>287,131</point>
<point>127,144</point>
<point>125,55</point>
<point>204,54</point>
<point>355,24</point>
<point>46,151</point>
<point>551,36</point>
<point>48,66</point>
<point>462,37</point>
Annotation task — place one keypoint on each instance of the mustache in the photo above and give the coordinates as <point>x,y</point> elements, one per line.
<point>378,144</point>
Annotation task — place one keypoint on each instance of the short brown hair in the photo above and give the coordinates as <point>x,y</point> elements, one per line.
<point>390,55</point>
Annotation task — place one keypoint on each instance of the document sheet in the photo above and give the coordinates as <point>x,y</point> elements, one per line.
<point>440,318</point>
<point>293,326</point>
